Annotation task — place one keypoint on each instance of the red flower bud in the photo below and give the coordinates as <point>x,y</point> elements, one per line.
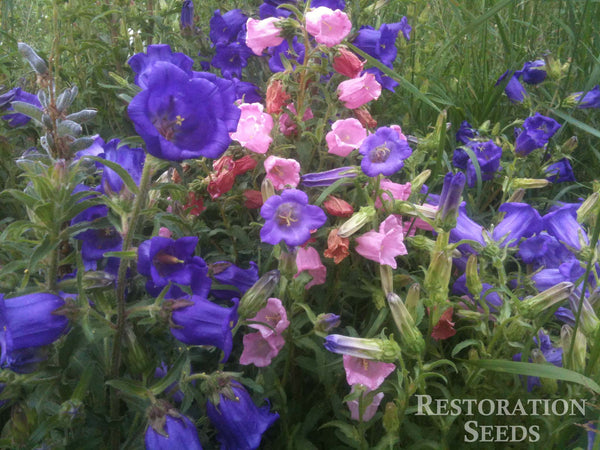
<point>220,184</point>
<point>253,199</point>
<point>337,247</point>
<point>244,164</point>
<point>194,205</point>
<point>276,97</point>
<point>347,63</point>
<point>365,118</point>
<point>338,207</point>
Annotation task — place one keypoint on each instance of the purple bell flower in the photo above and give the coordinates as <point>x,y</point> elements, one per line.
<point>537,131</point>
<point>488,157</point>
<point>465,134</point>
<point>239,422</point>
<point>227,28</point>
<point>170,430</point>
<point>560,172</point>
<point>328,177</point>
<point>295,55</point>
<point>230,274</point>
<point>187,15</point>
<point>231,58</point>
<point>449,202</point>
<point>514,90</point>
<point>488,293</point>
<point>466,229</point>
<point>246,91</point>
<point>521,220</point>
<point>591,99</point>
<point>163,261</point>
<point>269,8</point>
<point>143,63</point>
<point>131,159</point>
<point>383,152</point>
<point>552,354</point>
<point>532,72</point>
<point>543,250</point>
<point>174,125</point>
<point>289,218</point>
<point>17,95</point>
<point>205,323</point>
<point>27,322</point>
<point>561,224</point>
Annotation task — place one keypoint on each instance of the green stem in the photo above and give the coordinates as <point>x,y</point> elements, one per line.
<point>121,316</point>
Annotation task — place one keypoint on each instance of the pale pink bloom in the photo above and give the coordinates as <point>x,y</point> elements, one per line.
<point>398,191</point>
<point>260,351</point>
<point>399,131</point>
<point>308,259</point>
<point>359,91</point>
<point>367,372</point>
<point>254,128</point>
<point>261,34</point>
<point>282,172</point>
<point>165,232</point>
<point>413,224</point>
<point>385,245</point>
<point>327,26</point>
<point>287,125</point>
<point>345,136</point>
<point>273,315</point>
<point>369,411</point>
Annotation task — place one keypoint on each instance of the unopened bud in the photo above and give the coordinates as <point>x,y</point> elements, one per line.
<point>386,350</point>
<point>589,320</point>
<point>357,221</point>
<point>387,279</point>
<point>256,297</point>
<point>450,200</point>
<point>437,278</point>
<point>409,333</point>
<point>587,212</point>
<point>391,423</point>
<point>267,189</point>
<point>517,196</point>
<point>417,182</point>
<point>576,360</point>
<point>472,274</point>
<point>410,209</point>
<point>413,301</point>
<point>529,183</point>
<point>533,306</point>
<point>327,322</point>
<point>34,60</point>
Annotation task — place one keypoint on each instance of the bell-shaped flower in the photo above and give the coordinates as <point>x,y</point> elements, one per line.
<point>239,422</point>
<point>370,409</point>
<point>27,322</point>
<point>143,63</point>
<point>347,63</point>
<point>187,15</point>
<point>289,218</point>
<point>270,320</point>
<point>282,172</point>
<point>345,135</point>
<point>307,259</point>
<point>254,128</point>
<point>276,97</point>
<point>130,159</point>
<point>228,27</point>
<point>337,247</point>
<point>261,34</point>
<point>169,430</point>
<point>589,99</point>
<point>385,245</point>
<point>17,95</point>
<point>536,132</point>
<point>293,54</point>
<point>562,224</point>
<point>174,125</point>
<point>521,220</point>
<point>383,152</point>
<point>338,207</point>
<point>560,172</point>
<point>327,26</point>
<point>359,91</point>
<point>551,354</point>
<point>366,371</point>
<point>228,273</point>
<point>205,323</point>
<point>260,350</point>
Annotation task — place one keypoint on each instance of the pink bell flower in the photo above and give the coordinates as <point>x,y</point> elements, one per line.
<point>261,34</point>
<point>385,245</point>
<point>369,411</point>
<point>287,125</point>
<point>282,172</point>
<point>254,128</point>
<point>260,351</point>
<point>359,91</point>
<point>345,135</point>
<point>398,191</point>
<point>308,259</point>
<point>273,315</point>
<point>328,27</point>
<point>368,372</point>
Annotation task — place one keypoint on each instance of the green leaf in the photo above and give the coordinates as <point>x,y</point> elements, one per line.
<point>536,370</point>
<point>28,109</point>
<point>464,344</point>
<point>129,387</point>
<point>172,375</point>
<point>120,171</point>
<point>125,254</point>
<point>576,123</point>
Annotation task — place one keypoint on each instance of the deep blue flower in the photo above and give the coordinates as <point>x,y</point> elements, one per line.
<point>521,220</point>
<point>289,218</point>
<point>27,322</point>
<point>328,177</point>
<point>591,99</point>
<point>143,63</point>
<point>239,422</point>
<point>229,274</point>
<point>187,14</point>
<point>270,9</point>
<point>560,172</point>
<point>563,225</point>
<point>514,90</point>
<point>543,250</point>
<point>386,82</point>
<point>488,294</point>
<point>174,124</point>
<point>246,91</point>
<point>466,229</point>
<point>205,323</point>
<point>163,261</point>
<point>172,390</point>
<point>295,55</point>
<point>228,28</point>
<point>449,201</point>
<point>465,134</point>
<point>552,354</point>
<point>130,159</point>
<point>380,44</point>
<point>537,131</point>
<point>231,58</point>
<point>17,95</point>
<point>170,430</point>
<point>532,72</point>
<point>383,152</point>
<point>488,157</point>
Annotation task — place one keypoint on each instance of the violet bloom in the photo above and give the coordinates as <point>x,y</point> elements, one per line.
<point>450,199</point>
<point>591,99</point>
<point>537,131</point>
<point>551,354</point>
<point>514,90</point>
<point>187,15</point>
<point>131,159</point>
<point>205,323</point>
<point>28,322</point>
<point>564,227</point>
<point>231,58</point>
<point>560,172</point>
<point>383,152</point>
<point>239,422</point>
<point>163,261</point>
<point>466,133</point>
<point>488,157</point>
<point>533,73</point>
<point>328,177</point>
<point>177,432</point>
<point>381,44</point>
<point>228,27</point>
<point>466,229</point>
<point>143,63</point>
<point>294,55</point>
<point>174,125</point>
<point>17,95</point>
<point>543,250</point>
<point>229,274</point>
<point>521,220</point>
<point>289,218</point>
<point>488,293</point>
